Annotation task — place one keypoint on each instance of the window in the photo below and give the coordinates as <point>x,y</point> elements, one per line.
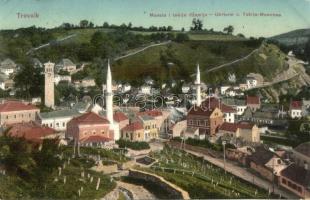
<point>102,132</point>
<point>7,117</point>
<point>63,124</point>
<point>15,116</point>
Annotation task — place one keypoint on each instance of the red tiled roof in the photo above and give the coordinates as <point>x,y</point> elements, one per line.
<point>297,174</point>
<point>198,110</point>
<point>10,106</point>
<point>296,105</point>
<point>245,125</point>
<point>133,126</point>
<point>304,149</point>
<point>215,103</point>
<point>31,131</point>
<point>90,118</point>
<point>119,116</point>
<point>232,127</point>
<point>153,113</point>
<point>252,100</point>
<point>95,138</point>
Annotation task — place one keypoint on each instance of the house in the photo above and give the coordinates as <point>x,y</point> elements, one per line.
<point>58,78</point>
<point>4,81</point>
<point>31,131</point>
<point>243,86</point>
<point>17,112</point>
<point>254,80</point>
<point>253,102</point>
<point>296,179</point>
<point>295,110</point>
<point>228,111</point>
<point>149,81</point>
<point>193,132</point>
<point>301,155</point>
<point>121,119</point>
<point>178,129</point>
<point>264,117</point>
<point>90,129</point>
<point>186,88</point>
<point>145,89</point>
<point>151,130</point>
<point>161,117</point>
<point>37,63</point>
<point>57,119</point>
<point>245,131</point>
<point>87,82</point>
<point>223,89</point>
<point>239,154</point>
<point>238,104</point>
<point>126,87</point>
<point>266,163</point>
<point>133,132</point>
<point>8,67</point>
<point>206,120</point>
<point>66,65</point>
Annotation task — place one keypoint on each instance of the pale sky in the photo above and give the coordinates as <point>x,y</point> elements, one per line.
<point>295,14</point>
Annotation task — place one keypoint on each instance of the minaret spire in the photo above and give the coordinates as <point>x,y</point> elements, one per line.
<point>109,95</point>
<point>198,89</point>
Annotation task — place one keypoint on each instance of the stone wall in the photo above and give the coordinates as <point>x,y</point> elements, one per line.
<point>174,190</point>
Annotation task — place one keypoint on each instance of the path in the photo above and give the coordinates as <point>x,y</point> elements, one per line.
<point>48,44</point>
<point>140,50</point>
<point>283,76</point>
<point>244,174</point>
<point>229,63</point>
<point>138,192</point>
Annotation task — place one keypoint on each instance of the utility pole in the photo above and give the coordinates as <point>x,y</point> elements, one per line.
<point>224,143</point>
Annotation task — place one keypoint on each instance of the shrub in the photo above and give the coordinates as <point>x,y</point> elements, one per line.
<point>132,145</point>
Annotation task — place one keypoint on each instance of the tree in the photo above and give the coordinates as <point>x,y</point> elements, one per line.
<point>105,25</point>
<point>182,37</point>
<point>129,25</point>
<point>197,25</point>
<point>84,23</point>
<point>29,80</point>
<point>169,28</point>
<point>229,29</point>
<point>241,35</point>
<point>91,25</point>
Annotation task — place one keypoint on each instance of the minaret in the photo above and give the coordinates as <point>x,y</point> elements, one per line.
<point>198,90</point>
<point>109,96</point>
<point>49,99</point>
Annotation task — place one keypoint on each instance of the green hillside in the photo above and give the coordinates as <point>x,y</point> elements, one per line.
<point>178,61</point>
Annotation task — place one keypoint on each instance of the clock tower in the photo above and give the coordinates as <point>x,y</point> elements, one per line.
<point>49,100</point>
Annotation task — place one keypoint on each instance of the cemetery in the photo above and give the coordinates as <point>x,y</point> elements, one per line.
<point>200,178</point>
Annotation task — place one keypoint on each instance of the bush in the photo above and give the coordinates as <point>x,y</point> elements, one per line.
<point>132,145</point>
<point>181,37</point>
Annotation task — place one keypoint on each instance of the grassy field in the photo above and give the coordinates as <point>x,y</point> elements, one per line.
<point>183,57</point>
<point>202,179</point>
